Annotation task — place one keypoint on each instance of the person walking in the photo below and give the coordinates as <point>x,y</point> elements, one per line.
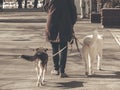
<point>82,8</point>
<point>35,3</point>
<point>108,4</point>
<point>62,16</point>
<point>19,3</point>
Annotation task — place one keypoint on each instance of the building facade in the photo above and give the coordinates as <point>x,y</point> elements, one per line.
<point>21,4</point>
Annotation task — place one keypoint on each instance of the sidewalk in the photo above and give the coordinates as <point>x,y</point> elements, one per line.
<point>21,38</point>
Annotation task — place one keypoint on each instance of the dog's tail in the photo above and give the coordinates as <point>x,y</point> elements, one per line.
<point>28,58</point>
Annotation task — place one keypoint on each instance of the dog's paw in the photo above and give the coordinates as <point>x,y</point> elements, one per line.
<point>42,83</point>
<point>90,73</point>
<point>37,84</point>
<point>100,69</point>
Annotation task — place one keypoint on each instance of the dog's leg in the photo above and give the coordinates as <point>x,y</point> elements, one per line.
<point>43,75</point>
<point>37,71</point>
<point>100,53</point>
<point>89,64</point>
<point>85,58</point>
<point>39,74</point>
<point>92,59</point>
<point>99,60</point>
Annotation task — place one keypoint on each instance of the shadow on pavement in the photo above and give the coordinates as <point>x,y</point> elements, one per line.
<point>70,85</point>
<point>113,75</point>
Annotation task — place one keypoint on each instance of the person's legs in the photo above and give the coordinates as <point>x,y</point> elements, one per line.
<point>55,48</point>
<point>82,8</point>
<point>81,12</point>
<point>63,57</point>
<point>87,8</point>
<point>59,62</point>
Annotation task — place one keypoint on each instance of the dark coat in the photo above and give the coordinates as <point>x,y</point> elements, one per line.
<point>62,16</point>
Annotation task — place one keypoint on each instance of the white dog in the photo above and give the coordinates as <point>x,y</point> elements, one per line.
<point>41,59</point>
<point>92,50</point>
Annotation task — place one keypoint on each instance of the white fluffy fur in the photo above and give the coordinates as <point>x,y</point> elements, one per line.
<point>92,50</point>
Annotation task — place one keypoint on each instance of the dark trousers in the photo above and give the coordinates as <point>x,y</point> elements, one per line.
<point>60,59</point>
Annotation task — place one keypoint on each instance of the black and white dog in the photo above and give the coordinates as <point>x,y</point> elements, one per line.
<point>41,58</point>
